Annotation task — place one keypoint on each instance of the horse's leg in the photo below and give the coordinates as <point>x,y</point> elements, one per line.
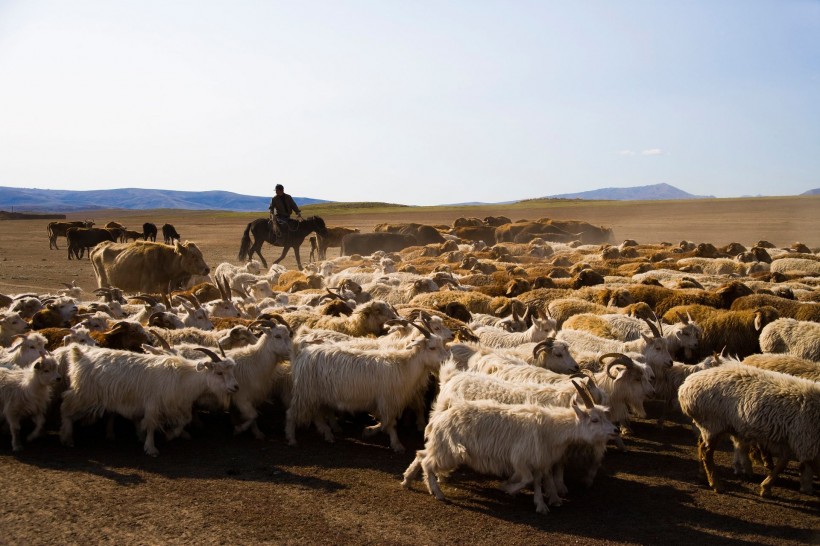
<point>284,251</point>
<point>257,247</point>
<point>298,261</point>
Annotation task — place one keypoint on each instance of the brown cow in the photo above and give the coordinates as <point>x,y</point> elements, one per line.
<point>424,234</point>
<point>333,239</point>
<point>476,233</point>
<point>58,229</point>
<point>146,267</point>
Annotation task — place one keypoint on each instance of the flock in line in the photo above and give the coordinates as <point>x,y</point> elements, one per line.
<point>536,348</point>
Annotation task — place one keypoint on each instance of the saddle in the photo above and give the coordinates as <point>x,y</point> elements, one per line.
<point>285,224</point>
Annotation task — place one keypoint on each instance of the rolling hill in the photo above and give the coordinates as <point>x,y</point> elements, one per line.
<point>24,199</point>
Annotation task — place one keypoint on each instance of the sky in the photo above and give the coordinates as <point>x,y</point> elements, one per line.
<point>413,102</point>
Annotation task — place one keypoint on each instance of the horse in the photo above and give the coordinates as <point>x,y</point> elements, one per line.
<point>293,237</point>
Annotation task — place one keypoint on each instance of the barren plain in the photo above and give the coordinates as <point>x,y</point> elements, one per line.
<point>219,489</point>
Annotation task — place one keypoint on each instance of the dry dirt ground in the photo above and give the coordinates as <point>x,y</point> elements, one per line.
<point>219,489</point>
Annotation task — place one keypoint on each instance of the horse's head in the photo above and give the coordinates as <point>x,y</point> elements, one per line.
<point>319,226</point>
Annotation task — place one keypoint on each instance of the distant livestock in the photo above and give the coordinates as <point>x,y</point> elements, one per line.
<point>149,231</point>
<point>146,267</point>
<point>333,239</point>
<point>368,243</point>
<point>79,239</point>
<point>169,234</point>
<point>58,229</point>
<point>423,234</point>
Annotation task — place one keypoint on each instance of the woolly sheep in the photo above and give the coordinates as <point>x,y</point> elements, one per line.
<point>779,412</point>
<point>794,337</point>
<point>788,364</point>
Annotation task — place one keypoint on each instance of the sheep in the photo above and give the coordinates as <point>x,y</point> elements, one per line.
<point>542,326</point>
<point>348,379</point>
<point>794,337</point>
<point>662,299</point>
<point>26,393</point>
<point>805,267</point>
<point>786,308</point>
<point>788,364</point>
<point>668,383</point>
<point>11,324</point>
<point>778,412</point>
<point>159,389</point>
<point>30,347</point>
<point>735,331</point>
<point>521,442</point>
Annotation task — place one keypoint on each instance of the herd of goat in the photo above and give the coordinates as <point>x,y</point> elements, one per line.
<point>518,359</point>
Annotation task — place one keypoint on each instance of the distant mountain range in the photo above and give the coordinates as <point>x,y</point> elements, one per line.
<point>654,192</point>
<point>23,199</point>
<point>61,201</point>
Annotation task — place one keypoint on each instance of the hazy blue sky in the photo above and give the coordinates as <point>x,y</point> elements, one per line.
<point>414,102</point>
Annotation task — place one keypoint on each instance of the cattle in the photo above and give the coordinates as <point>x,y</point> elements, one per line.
<point>476,233</point>
<point>149,231</point>
<point>368,243</point>
<point>424,234</point>
<point>58,229</point>
<point>117,229</point>
<point>524,232</point>
<point>589,234</point>
<point>130,234</point>
<point>146,267</point>
<point>333,239</point>
<point>79,239</point>
<point>169,234</point>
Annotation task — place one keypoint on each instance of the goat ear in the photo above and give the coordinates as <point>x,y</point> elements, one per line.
<point>202,365</point>
<point>38,364</point>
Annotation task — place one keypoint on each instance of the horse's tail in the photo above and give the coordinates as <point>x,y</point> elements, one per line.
<point>245,246</point>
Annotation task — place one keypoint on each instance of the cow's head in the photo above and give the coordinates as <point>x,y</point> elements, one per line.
<point>192,260</point>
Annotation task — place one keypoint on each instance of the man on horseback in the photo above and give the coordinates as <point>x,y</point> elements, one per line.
<point>281,206</point>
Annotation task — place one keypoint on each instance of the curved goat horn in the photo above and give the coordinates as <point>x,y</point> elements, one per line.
<point>542,346</point>
<point>422,329</point>
<point>210,353</point>
<point>584,394</point>
<point>162,340</point>
<point>618,358</point>
<point>652,327</point>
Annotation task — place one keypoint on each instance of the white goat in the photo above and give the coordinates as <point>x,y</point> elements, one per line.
<point>343,378</point>
<point>11,324</point>
<point>159,389</point>
<point>30,347</point>
<point>521,442</point>
<point>26,393</point>
<point>542,327</point>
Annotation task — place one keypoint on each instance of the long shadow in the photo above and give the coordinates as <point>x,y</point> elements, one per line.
<point>615,510</point>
